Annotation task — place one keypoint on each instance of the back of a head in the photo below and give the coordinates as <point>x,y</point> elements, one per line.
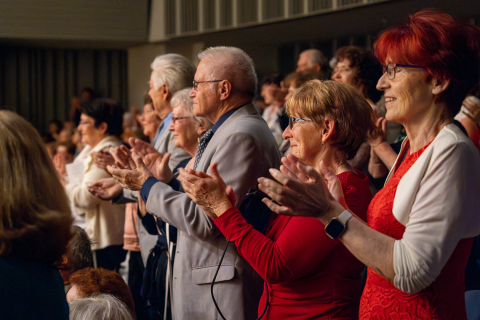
<point>174,70</point>
<point>100,307</point>
<point>235,65</point>
<point>34,208</point>
<point>79,252</point>
<point>91,282</point>
<point>340,101</point>
<point>317,57</point>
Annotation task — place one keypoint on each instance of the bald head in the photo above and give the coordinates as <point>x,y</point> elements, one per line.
<point>312,59</point>
<point>234,65</point>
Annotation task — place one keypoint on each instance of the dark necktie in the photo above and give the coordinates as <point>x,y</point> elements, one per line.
<point>201,147</point>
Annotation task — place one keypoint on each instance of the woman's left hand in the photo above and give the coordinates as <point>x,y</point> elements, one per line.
<point>208,192</point>
<point>102,159</point>
<point>302,191</point>
<point>59,162</point>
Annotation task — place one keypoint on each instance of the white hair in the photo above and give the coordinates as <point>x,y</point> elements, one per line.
<point>102,306</point>
<point>173,70</point>
<point>236,64</point>
<point>182,99</point>
<point>316,57</point>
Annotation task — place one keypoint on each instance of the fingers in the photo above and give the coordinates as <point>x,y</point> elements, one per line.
<point>311,174</point>
<point>214,172</point>
<point>165,159</point>
<point>277,208</point>
<point>137,161</point>
<point>289,168</point>
<point>384,126</point>
<point>327,172</point>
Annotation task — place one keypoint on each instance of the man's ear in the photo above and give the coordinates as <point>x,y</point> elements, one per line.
<point>201,128</point>
<point>328,129</point>
<point>225,89</point>
<point>439,85</point>
<point>167,94</point>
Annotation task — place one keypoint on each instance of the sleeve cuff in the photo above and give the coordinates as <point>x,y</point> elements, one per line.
<point>145,191</point>
<point>225,216</point>
<point>175,184</point>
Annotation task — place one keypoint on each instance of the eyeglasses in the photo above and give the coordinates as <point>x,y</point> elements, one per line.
<point>195,83</point>
<point>179,118</point>
<point>292,120</point>
<point>390,69</point>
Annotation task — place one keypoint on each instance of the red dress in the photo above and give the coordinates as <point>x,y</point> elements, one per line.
<point>443,299</point>
<point>309,275</point>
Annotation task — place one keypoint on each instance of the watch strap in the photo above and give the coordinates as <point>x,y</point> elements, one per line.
<point>344,217</point>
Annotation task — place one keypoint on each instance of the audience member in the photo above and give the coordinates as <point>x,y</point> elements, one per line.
<point>100,125</point>
<point>35,225</point>
<point>224,87</point>
<point>414,269</point>
<point>273,94</point>
<point>89,282</point>
<point>77,257</point>
<point>102,306</point>
<point>308,274</point>
<point>314,59</point>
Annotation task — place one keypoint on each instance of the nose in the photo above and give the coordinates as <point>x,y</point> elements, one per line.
<point>287,133</point>
<point>383,82</point>
<point>171,126</point>
<point>288,96</point>
<point>335,75</point>
<point>192,93</point>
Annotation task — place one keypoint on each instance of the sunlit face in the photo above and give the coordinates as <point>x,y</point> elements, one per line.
<point>408,96</point>
<point>343,73</point>
<point>73,294</point>
<point>157,97</point>
<point>205,99</point>
<point>150,121</point>
<point>90,134</point>
<point>304,63</point>
<point>185,131</point>
<point>305,140</point>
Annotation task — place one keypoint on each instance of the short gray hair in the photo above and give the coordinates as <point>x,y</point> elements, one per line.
<point>182,99</point>
<point>102,306</point>
<point>237,63</point>
<point>174,70</point>
<point>317,57</point>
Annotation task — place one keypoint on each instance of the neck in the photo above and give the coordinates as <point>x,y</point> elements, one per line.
<point>333,158</point>
<point>227,106</point>
<point>423,129</point>
<point>192,150</point>
<point>164,111</point>
<point>277,104</point>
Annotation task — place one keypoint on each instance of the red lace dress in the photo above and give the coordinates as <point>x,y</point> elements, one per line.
<point>443,299</point>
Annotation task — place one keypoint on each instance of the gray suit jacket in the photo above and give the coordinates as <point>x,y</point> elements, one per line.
<point>163,144</point>
<point>245,149</point>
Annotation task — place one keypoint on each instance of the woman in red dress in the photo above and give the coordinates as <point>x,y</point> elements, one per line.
<point>421,224</point>
<point>308,274</point>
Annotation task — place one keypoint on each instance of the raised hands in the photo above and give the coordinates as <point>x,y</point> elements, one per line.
<point>102,159</point>
<point>59,162</point>
<point>133,177</point>
<point>105,189</point>
<point>472,109</point>
<point>208,191</point>
<point>378,135</point>
<point>301,190</point>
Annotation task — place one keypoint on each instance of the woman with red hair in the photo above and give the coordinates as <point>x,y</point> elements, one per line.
<point>421,224</point>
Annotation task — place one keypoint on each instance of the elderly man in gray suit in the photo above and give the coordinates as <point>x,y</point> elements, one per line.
<point>240,141</point>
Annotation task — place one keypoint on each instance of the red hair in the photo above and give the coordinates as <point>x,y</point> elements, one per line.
<point>448,50</point>
<point>91,282</point>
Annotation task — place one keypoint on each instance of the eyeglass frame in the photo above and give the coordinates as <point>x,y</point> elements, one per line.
<point>394,65</point>
<point>195,83</point>
<point>291,121</point>
<point>179,118</point>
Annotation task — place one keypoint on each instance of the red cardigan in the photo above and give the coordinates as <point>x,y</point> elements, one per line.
<point>308,274</point>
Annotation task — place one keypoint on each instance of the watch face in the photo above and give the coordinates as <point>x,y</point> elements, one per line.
<point>334,229</point>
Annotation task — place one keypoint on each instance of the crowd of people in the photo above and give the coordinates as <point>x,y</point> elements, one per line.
<point>362,172</point>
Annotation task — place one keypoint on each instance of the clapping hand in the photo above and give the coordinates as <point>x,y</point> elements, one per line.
<point>133,177</point>
<point>105,189</point>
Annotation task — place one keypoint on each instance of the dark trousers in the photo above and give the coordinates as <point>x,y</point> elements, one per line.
<point>110,257</point>
<point>135,280</point>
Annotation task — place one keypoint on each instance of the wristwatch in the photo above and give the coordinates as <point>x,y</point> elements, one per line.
<point>337,225</point>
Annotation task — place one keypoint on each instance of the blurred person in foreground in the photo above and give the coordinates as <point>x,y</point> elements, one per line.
<point>100,126</point>
<point>240,141</point>
<point>35,225</point>
<point>101,306</point>
<point>420,225</point>
<point>308,274</point>
<point>89,282</point>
